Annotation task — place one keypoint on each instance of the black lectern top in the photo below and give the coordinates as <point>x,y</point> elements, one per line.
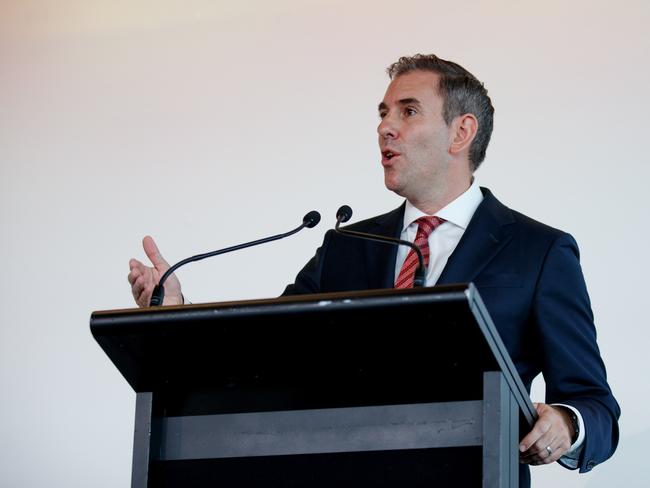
<point>312,351</point>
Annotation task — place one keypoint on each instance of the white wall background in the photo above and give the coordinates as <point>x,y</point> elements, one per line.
<point>184,118</point>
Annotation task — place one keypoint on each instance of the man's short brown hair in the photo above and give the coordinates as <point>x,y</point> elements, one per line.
<point>462,93</point>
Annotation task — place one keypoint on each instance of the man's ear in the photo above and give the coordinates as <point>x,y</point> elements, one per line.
<point>464,128</point>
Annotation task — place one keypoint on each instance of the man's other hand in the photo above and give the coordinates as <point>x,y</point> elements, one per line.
<point>550,437</point>
<point>144,278</point>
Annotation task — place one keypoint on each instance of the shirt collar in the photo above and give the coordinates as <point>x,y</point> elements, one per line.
<point>459,211</point>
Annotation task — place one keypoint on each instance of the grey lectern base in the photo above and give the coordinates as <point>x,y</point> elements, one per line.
<point>492,424</point>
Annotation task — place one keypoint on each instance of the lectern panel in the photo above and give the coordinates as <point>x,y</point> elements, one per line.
<point>443,468</point>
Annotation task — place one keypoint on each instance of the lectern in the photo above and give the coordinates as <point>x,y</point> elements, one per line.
<point>375,388</point>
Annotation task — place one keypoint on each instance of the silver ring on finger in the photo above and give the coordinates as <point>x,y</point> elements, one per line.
<point>549,450</point>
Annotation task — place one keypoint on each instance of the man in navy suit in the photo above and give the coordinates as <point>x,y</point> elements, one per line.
<point>436,122</point>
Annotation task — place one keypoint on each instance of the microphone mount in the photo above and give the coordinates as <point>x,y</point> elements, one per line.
<point>310,220</point>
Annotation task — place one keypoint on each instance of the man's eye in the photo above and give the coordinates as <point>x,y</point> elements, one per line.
<point>382,115</point>
<point>410,111</point>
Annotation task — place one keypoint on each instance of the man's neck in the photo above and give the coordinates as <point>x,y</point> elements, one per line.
<point>433,204</point>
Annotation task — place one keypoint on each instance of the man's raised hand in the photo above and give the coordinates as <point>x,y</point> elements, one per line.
<point>143,278</point>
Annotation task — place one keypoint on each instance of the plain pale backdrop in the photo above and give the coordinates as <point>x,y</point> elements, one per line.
<point>183,118</point>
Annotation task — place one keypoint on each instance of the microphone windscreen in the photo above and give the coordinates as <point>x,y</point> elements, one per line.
<point>311,219</point>
<point>344,213</point>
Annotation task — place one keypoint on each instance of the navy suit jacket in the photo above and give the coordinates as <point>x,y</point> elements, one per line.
<point>530,279</point>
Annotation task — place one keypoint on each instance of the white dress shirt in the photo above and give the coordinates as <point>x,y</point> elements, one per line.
<point>442,242</point>
<point>445,238</point>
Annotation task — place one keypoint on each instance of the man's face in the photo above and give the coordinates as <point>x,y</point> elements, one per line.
<point>414,139</point>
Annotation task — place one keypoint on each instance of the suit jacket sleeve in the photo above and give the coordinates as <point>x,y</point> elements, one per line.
<point>308,279</point>
<point>571,364</point>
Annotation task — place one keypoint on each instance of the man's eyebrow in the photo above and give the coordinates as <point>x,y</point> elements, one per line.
<point>409,101</point>
<point>403,101</point>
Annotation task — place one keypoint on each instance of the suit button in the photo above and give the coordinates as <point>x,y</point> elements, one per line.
<point>590,465</point>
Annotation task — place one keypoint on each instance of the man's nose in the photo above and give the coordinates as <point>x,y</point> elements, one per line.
<point>387,128</point>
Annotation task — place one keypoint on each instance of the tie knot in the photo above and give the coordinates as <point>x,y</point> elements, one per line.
<point>427,224</point>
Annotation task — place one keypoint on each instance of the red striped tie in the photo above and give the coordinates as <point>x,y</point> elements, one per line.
<point>426,225</point>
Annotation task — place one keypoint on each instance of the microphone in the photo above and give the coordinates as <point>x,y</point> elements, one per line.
<point>311,219</point>
<point>344,213</point>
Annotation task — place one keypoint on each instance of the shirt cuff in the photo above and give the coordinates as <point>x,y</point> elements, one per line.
<point>572,456</point>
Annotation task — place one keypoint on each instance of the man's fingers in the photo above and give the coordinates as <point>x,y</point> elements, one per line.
<point>538,438</point>
<point>544,457</point>
<point>145,296</point>
<point>538,452</point>
<point>533,446</point>
<point>137,286</point>
<point>143,278</point>
<point>153,253</point>
<point>540,428</point>
<point>142,292</point>
<point>133,275</point>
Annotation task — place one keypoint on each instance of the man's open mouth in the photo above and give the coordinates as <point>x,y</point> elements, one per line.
<point>388,154</point>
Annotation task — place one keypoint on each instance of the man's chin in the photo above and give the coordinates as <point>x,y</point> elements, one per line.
<point>394,186</point>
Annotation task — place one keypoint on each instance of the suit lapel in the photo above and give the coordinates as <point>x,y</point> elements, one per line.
<point>487,233</point>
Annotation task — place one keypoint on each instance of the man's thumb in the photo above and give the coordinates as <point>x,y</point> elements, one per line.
<point>153,253</point>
